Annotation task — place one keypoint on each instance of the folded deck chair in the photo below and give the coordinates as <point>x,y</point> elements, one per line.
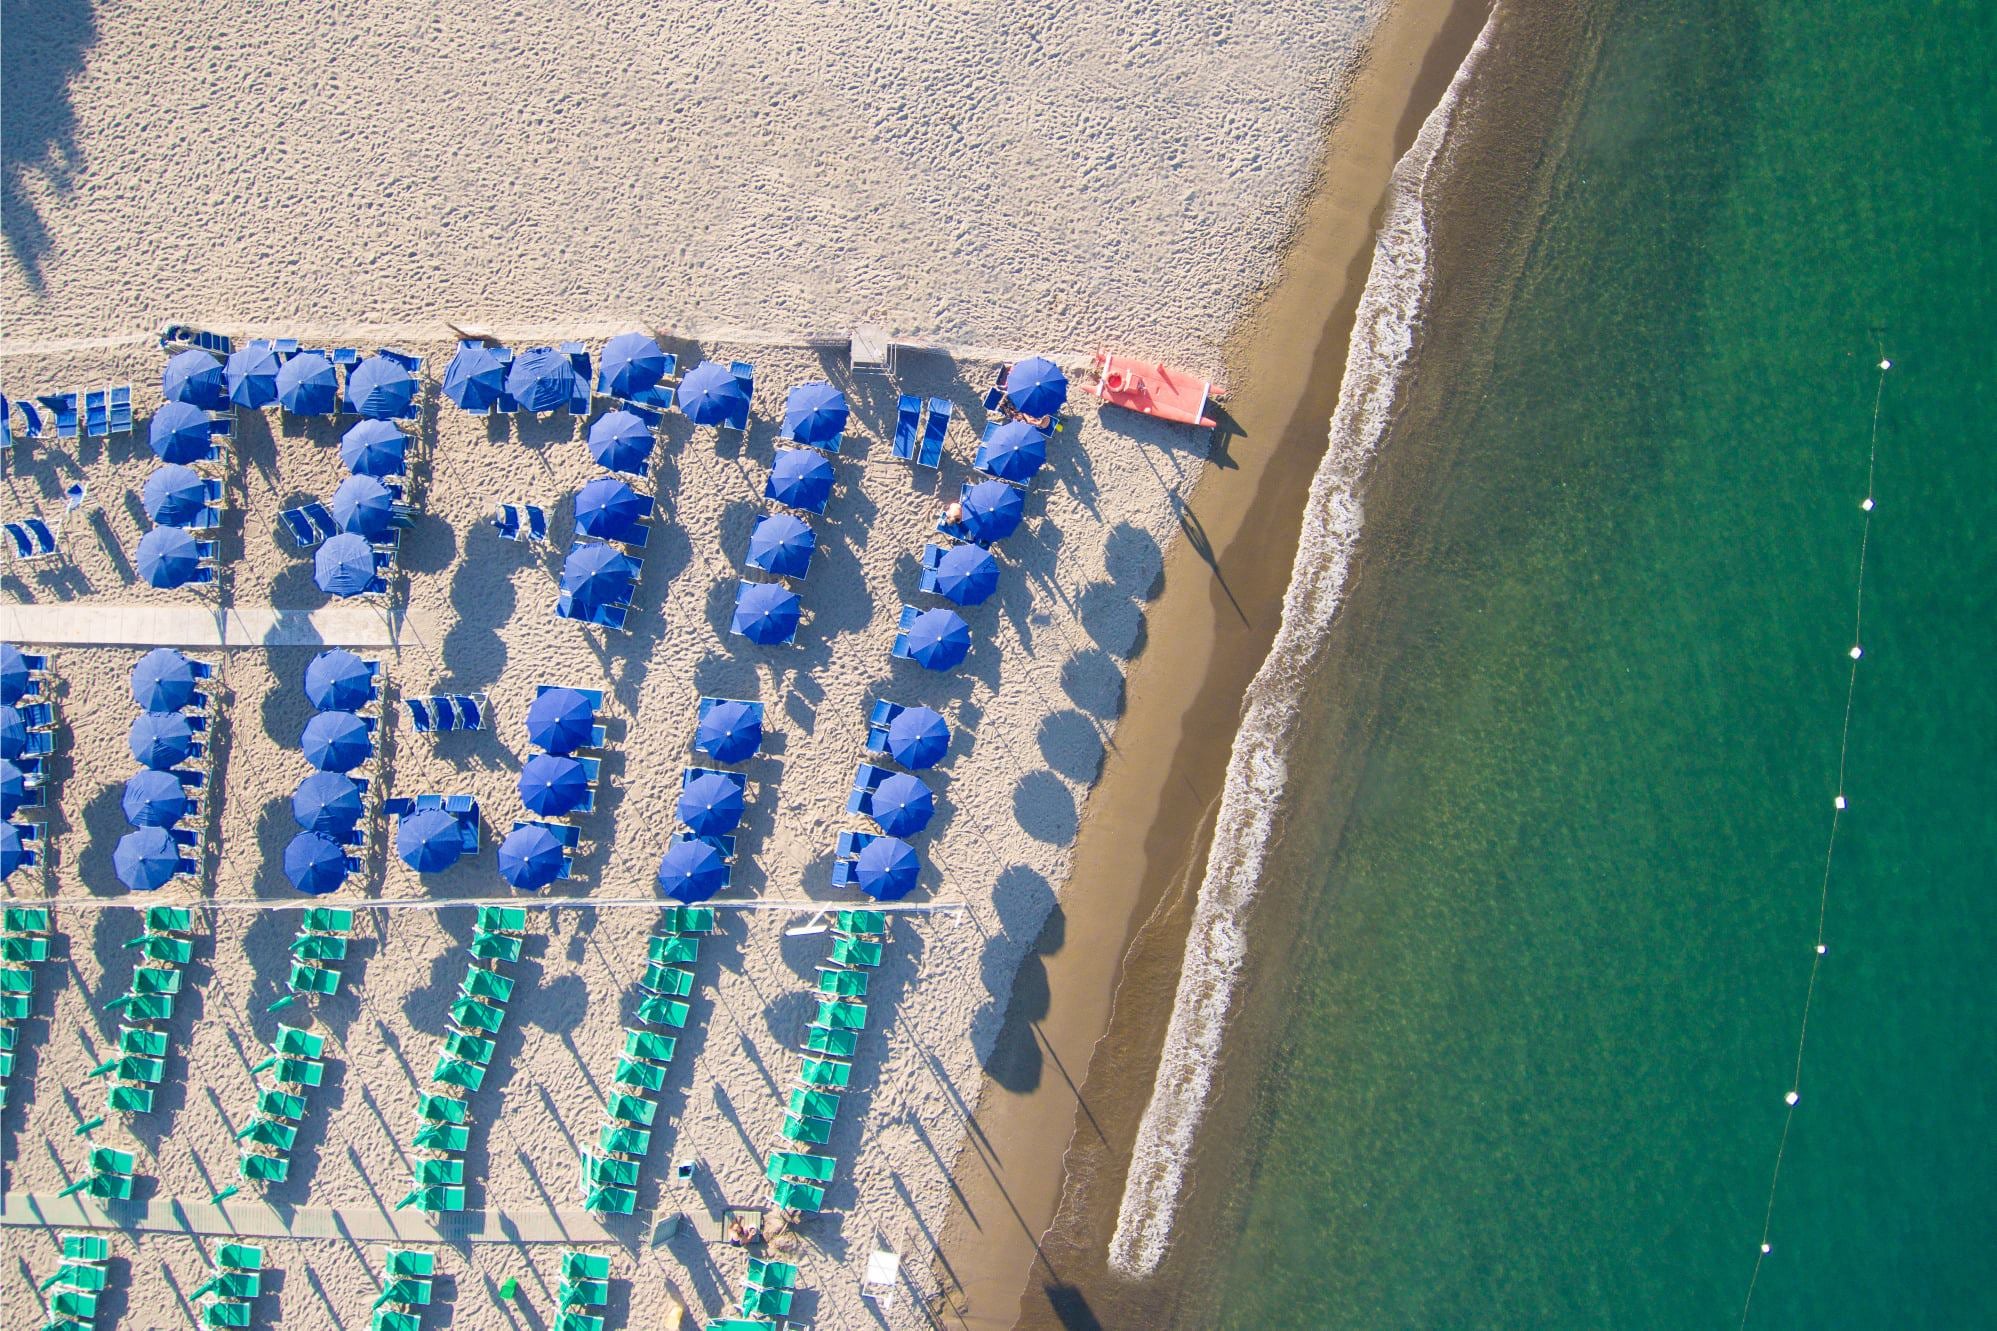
<point>620,1201</point>
<point>930,451</point>
<point>908,417</point>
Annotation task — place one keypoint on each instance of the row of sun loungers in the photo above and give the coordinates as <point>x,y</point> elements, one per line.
<point>165,947</point>
<point>96,413</point>
<point>27,739</point>
<point>226,1297</point>
<point>77,1283</point>
<point>24,941</point>
<point>406,1282</point>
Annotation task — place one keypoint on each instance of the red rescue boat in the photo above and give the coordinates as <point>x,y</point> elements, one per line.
<point>1154,389</point>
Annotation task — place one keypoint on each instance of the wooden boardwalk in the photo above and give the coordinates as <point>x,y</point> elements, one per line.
<point>86,624</point>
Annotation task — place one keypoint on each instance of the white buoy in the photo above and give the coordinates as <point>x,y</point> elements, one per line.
<point>1767,1248</point>
<point>1821,949</point>
<point>1839,801</point>
<point>1886,365</point>
<point>1866,503</point>
<point>1856,651</point>
<point>1791,1098</point>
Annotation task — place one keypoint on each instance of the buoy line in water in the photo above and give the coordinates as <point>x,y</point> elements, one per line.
<point>1792,1098</point>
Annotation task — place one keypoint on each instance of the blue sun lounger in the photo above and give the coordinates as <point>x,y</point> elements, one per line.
<point>930,451</point>
<point>909,614</point>
<point>866,777</point>
<point>603,616</point>
<point>745,375</point>
<point>522,522</point>
<point>908,419</point>
<point>32,539</point>
<point>62,406</point>
<point>724,846</point>
<point>121,409</point>
<point>32,425</point>
<point>309,525</point>
<point>97,413</point>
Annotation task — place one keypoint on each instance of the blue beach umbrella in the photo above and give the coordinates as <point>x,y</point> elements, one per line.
<point>621,441</point>
<point>13,732</point>
<point>196,378</point>
<point>327,802</point>
<point>173,494</point>
<point>560,721</point>
<point>179,433</point>
<point>13,673</point>
<point>475,378</point>
<point>710,804</point>
<point>364,506</point>
<point>530,858</point>
<point>338,681</point>
<point>1036,386</point>
<point>379,388</point>
<point>901,805</point>
<point>144,860</point>
<point>429,841</point>
<point>800,478</point>
<point>154,799</point>
<point>344,566</point>
<point>315,864</point>
<point>375,448</point>
<point>711,394</point>
<point>251,375</point>
<point>13,788</point>
<point>938,639</point>
<point>308,385</point>
<point>594,574</point>
<point>992,510</point>
<point>729,732</point>
<point>12,853</point>
<point>163,680</point>
<point>160,740</point>
<point>782,545</point>
<point>541,380</point>
<point>692,871</point>
<point>1015,452</point>
<point>765,613</point>
<point>887,868</point>
<point>918,737</point>
<point>815,413</point>
<point>967,574</point>
<point>336,741</point>
<point>632,364</point>
<point>168,557</point>
<point>608,509</point>
<point>552,786</point>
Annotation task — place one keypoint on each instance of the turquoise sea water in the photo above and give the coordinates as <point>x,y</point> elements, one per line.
<point>1545,1008</point>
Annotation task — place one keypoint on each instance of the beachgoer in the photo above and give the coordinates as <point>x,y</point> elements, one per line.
<point>953,512</point>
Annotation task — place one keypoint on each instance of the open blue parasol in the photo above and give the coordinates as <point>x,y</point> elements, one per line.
<point>609,509</point>
<point>180,433</point>
<point>632,364</point>
<point>327,802</point>
<point>174,494</point>
<point>251,375</point>
<point>801,479</point>
<point>887,868</point>
<point>560,720</point>
<point>1036,386</point>
<point>145,859</point>
<point>375,448</point>
<point>710,804</point>
<point>168,557</point>
<point>379,388</point>
<point>1015,452</point>
<point>711,394</point>
<point>338,681</point>
<point>729,732</point>
<point>901,805</point>
<point>160,740</point>
<point>364,506</point>
<point>765,613</point>
<point>429,841</point>
<point>551,786</point>
<point>530,858</point>
<point>815,413</point>
<point>938,639</point>
<point>344,566</point>
<point>692,871</point>
<point>782,545</point>
<point>336,741</point>
<point>967,574</point>
<point>163,680</point>
<point>315,864</point>
<point>621,441</point>
<point>308,385</point>
<point>196,378</point>
<point>918,737</point>
<point>476,378</point>
<point>542,379</point>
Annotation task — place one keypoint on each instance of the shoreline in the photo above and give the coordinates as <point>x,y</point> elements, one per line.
<point>1223,588</point>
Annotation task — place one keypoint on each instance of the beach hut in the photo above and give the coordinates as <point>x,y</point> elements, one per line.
<point>429,841</point>
<point>782,545</point>
<point>815,413</point>
<point>632,365</point>
<point>160,740</point>
<point>938,639</point>
<point>711,394</point>
<point>328,803</point>
<point>621,441</point>
<point>145,859</point>
<point>1036,387</point>
<point>338,681</point>
<point>308,385</point>
<point>965,575</point>
<point>375,448</point>
<point>345,566</point>
<point>692,870</point>
<point>336,741</point>
<point>168,557</point>
<point>710,804</point>
<point>902,805</point>
<point>551,786</point>
<point>250,376</point>
<point>315,864</point>
<point>608,509</point>
<point>195,378</point>
<point>530,857</point>
<point>364,506</point>
<point>174,494</point>
<point>381,388</point>
<point>154,799</point>
<point>560,720</point>
<point>992,511</point>
<point>887,868</point>
<point>163,680</point>
<point>476,377</point>
<point>800,479</point>
<point>180,433</point>
<point>729,732</point>
<point>765,613</point>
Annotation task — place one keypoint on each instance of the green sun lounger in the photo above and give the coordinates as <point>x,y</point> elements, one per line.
<point>572,1320</point>
<point>602,1170</point>
<point>9,1033</point>
<point>583,1293</point>
<point>741,1324</point>
<point>621,1201</point>
<point>814,1104</point>
<point>807,1131</point>
<point>86,1276</point>
<point>156,980</point>
<point>477,1016</point>
<point>632,1109</point>
<point>794,1196</point>
<point>73,1303</point>
<point>406,1289</point>
<point>489,985</point>
<point>328,920</point>
<point>765,1302</point>
<point>456,1072</point>
<point>25,920</point>
<point>238,1284</point>
<point>164,947</point>
<point>129,1099</point>
<point>281,1104</point>
<point>15,1007</point>
<point>623,1139</point>
<point>585,1266</point>
<point>842,983</point>
<point>669,980</point>
<point>645,1076</point>
<point>874,922</point>
<point>319,947</point>
<point>436,1199</point>
<point>840,1016</point>
<point>24,949</point>
<point>502,919</point>
<point>645,1044</point>
<point>409,1262</point>
<point>855,952</point>
<point>299,1071</point>
<point>147,1007</point>
<point>664,1011</point>
<point>139,1040</point>
<point>277,1135</point>
<point>394,1319</point>
<point>772,1275</point>
<point>433,1173</point>
<point>292,1042</point>
<point>263,1168</point>
<point>687,920</point>
<point>434,1108</point>
<point>111,1160</point>
<point>824,1072</point>
<point>825,1040</point>
<point>470,1048</point>
<point>86,1248</point>
<point>320,980</point>
<point>441,1137</point>
<point>135,1067</point>
<point>111,1187</point>
<point>673,949</point>
<point>14,980</point>
<point>169,920</point>
<point>239,1257</point>
<point>226,1314</point>
<point>497,947</point>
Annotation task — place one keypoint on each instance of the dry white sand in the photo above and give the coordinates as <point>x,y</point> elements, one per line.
<point>1032,709</point>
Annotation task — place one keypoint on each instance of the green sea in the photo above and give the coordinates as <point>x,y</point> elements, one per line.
<point>1545,1000</point>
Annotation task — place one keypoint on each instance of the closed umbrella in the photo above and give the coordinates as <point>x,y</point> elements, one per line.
<point>375,448</point>
<point>160,740</point>
<point>552,786</point>
<point>782,545</point>
<point>315,864</point>
<point>251,375</point>
<point>168,557</point>
<point>1015,452</point>
<point>1036,386</point>
<point>800,478</point>
<point>560,720</point>
<point>632,364</point>
<point>475,378</point>
<point>621,441</point>
<point>541,380</point>
<point>729,732</point>
<point>887,868</point>
<point>12,853</point>
<point>173,494</point>
<point>344,565</point>
<point>336,741</point>
<point>710,804</point>
<point>180,433</point>
<point>145,859</point>
<point>163,680</point>
<point>13,732</point>
<point>530,858</point>
<point>338,681</point>
<point>992,510</point>
<point>364,506</point>
<point>594,574</point>
<point>307,385</point>
<point>918,737</point>
<point>609,510</point>
<point>967,574</point>
<point>196,378</point>
<point>765,613</point>
<point>327,802</point>
<point>13,673</point>
<point>154,799</point>
<point>814,413</point>
<point>938,639</point>
<point>902,805</point>
<point>13,788</point>
<point>692,871</point>
<point>379,388</point>
<point>429,841</point>
<point>711,394</point>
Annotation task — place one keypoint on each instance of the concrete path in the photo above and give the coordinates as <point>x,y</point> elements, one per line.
<point>243,1218</point>
<point>85,624</point>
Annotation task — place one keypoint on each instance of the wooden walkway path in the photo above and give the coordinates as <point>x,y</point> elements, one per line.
<point>86,624</point>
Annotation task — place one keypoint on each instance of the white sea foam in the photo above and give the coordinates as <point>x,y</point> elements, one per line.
<point>1383,343</point>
